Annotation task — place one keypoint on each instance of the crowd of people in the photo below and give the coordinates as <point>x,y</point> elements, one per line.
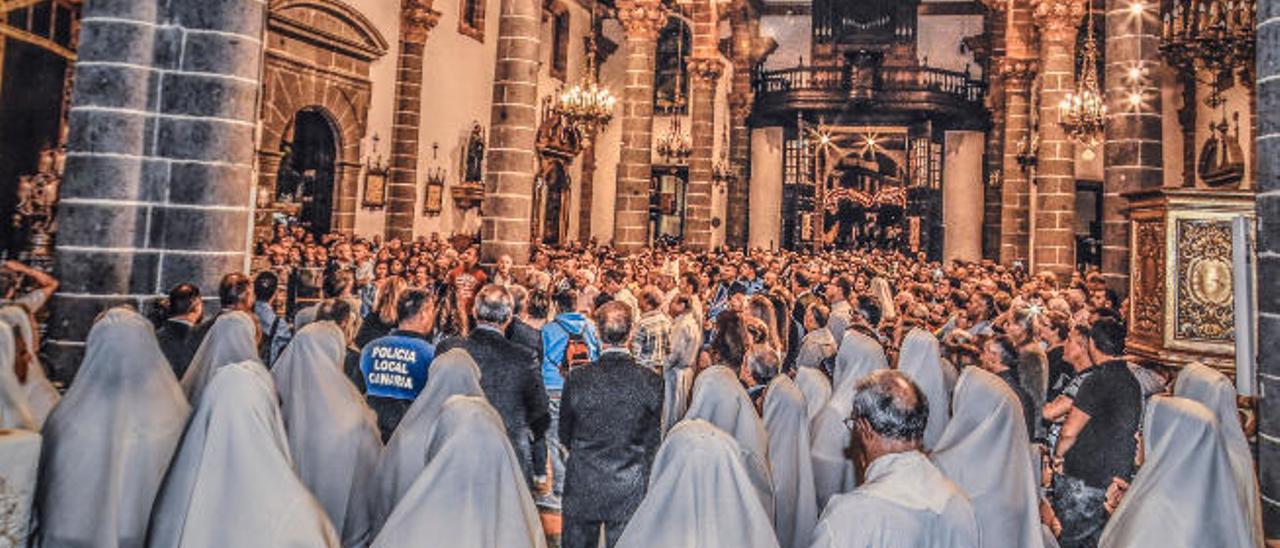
<point>356,392</point>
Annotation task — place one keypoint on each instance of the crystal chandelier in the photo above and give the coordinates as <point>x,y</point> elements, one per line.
<point>722,172</point>
<point>587,106</point>
<point>675,145</point>
<point>1082,113</point>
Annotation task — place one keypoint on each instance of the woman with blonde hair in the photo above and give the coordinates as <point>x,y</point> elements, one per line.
<point>383,318</point>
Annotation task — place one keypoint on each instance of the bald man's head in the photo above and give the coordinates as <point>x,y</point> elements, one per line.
<point>892,406</point>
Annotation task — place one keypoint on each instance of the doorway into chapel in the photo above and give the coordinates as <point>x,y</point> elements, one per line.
<point>304,187</point>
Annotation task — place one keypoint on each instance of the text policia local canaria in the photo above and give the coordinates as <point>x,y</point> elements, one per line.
<point>390,367</point>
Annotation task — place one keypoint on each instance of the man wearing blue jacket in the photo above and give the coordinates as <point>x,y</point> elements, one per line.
<point>568,326</point>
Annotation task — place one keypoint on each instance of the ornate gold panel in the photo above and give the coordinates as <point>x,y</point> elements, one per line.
<point>1204,308</point>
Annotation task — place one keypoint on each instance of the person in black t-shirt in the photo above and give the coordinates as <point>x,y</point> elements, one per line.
<point>1097,443</point>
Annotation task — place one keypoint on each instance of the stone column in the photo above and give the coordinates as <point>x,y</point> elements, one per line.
<point>587,192</point>
<point>745,37</point>
<point>993,169</point>
<point>641,20</point>
<point>962,198</point>
<point>1055,171</point>
<point>1017,75</point>
<point>1133,156</point>
<point>1267,151</point>
<point>160,157</point>
<point>417,18</point>
<point>705,69</point>
<point>766,188</point>
<point>508,202</point>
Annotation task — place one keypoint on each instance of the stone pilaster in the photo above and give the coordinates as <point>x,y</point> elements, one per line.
<point>160,157</point>
<point>417,18</point>
<point>1133,155</point>
<point>1054,238</point>
<point>508,202</point>
<point>1017,75</point>
<point>641,20</point>
<point>1267,151</point>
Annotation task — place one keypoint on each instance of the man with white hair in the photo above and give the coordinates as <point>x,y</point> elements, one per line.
<point>904,501</point>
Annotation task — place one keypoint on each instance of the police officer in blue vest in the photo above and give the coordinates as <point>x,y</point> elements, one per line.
<point>394,367</point>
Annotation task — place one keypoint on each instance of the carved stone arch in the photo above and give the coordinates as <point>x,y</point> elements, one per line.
<point>331,22</point>
<point>319,54</point>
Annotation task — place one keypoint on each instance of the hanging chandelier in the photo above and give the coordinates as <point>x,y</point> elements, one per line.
<point>675,145</point>
<point>1217,36</point>
<point>1082,113</point>
<point>587,106</point>
<point>722,172</point>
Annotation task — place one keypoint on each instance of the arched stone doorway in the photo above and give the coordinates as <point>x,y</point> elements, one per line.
<point>318,57</point>
<point>305,179</point>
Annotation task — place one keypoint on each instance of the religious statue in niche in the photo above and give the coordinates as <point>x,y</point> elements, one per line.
<point>474,167</point>
<point>470,192</point>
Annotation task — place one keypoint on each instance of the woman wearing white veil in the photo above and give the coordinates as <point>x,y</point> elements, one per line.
<point>700,496</point>
<point>108,444</point>
<point>453,373</point>
<point>1181,496</point>
<point>233,338</point>
<point>15,411</point>
<point>41,395</point>
<point>816,389</point>
<point>795,505</point>
<point>333,435</point>
<point>719,399</point>
<point>472,494</point>
<point>232,482</point>
<point>921,361</point>
<point>985,451</point>
<point>833,472</point>
<point>1214,390</point>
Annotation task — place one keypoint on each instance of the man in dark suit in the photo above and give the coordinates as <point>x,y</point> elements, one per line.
<point>177,332</point>
<point>508,373</point>
<point>610,421</point>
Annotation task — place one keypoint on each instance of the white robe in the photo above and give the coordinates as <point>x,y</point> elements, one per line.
<point>700,496</point>
<point>921,361</point>
<point>15,409</point>
<point>833,472</point>
<point>985,451</point>
<point>1214,390</point>
<point>453,373</point>
<point>231,482</point>
<point>677,372</point>
<point>108,444</point>
<point>231,339</point>
<point>816,389</point>
<point>333,435</point>
<point>795,505</point>
<point>1182,496</point>
<point>719,399</point>
<point>905,502</point>
<point>472,493</point>
<point>41,395</point>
